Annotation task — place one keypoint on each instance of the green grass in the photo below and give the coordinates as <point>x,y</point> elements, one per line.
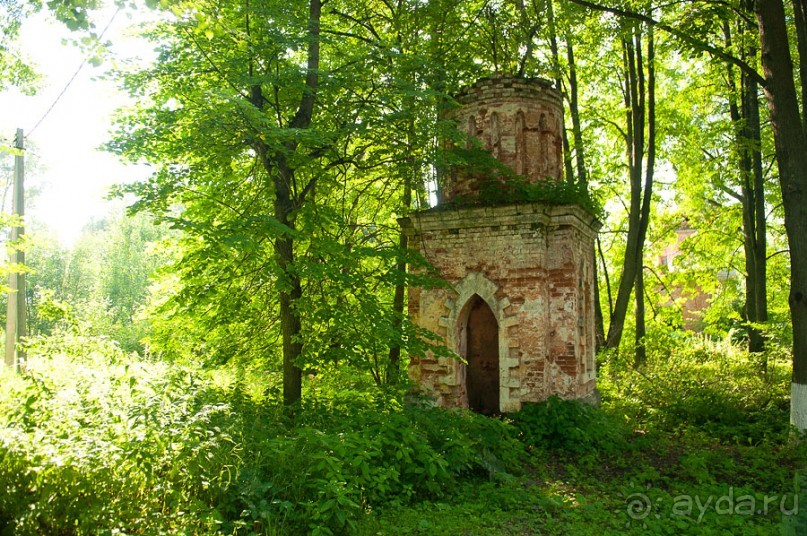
<point>93,441</point>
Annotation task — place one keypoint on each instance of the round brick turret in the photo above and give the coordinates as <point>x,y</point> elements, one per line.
<point>519,121</point>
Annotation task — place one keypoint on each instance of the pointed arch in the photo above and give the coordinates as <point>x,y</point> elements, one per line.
<point>495,135</point>
<point>543,155</point>
<point>475,286</point>
<point>521,143</point>
<point>481,352</point>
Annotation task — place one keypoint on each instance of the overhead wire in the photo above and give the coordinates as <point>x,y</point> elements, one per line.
<point>72,78</point>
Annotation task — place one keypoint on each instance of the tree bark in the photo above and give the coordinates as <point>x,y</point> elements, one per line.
<point>599,323</point>
<point>287,200</point>
<point>582,176</point>
<point>791,154</point>
<point>639,211</point>
<point>290,288</point>
<point>641,330</point>
<point>747,133</point>
<point>398,303</point>
<point>574,112</point>
<point>553,47</point>
<point>754,217</point>
<point>640,357</point>
<point>617,320</point>
<point>800,22</point>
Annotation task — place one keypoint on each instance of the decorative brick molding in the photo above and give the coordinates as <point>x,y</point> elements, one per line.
<point>526,267</point>
<point>519,121</point>
<point>532,264</point>
<point>476,284</point>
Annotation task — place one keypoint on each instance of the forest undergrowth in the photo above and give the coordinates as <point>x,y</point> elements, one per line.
<point>95,441</point>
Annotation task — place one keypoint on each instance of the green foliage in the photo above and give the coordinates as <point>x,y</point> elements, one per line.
<point>470,444</point>
<point>100,286</point>
<point>220,138</point>
<point>102,446</point>
<point>641,463</point>
<point>692,380</point>
<point>478,509</point>
<point>15,68</point>
<point>92,439</point>
<point>500,185</point>
<point>549,191</point>
<point>568,426</point>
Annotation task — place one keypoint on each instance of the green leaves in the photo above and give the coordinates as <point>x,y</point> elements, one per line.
<point>101,285</point>
<point>568,426</point>
<point>95,439</point>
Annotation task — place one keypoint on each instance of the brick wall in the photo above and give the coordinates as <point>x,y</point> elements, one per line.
<point>533,266</point>
<point>519,121</point>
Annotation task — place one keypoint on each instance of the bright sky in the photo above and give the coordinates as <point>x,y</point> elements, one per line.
<point>72,174</point>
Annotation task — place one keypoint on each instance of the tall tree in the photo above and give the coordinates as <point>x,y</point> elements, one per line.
<point>256,69</point>
<point>639,95</point>
<point>289,194</point>
<point>790,140</point>
<point>577,173</point>
<point>780,82</point>
<point>748,139</point>
<point>280,162</point>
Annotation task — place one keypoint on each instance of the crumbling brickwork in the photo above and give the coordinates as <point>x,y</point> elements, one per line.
<point>519,121</point>
<point>531,264</point>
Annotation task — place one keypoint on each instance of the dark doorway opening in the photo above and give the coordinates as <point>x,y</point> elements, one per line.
<point>482,354</point>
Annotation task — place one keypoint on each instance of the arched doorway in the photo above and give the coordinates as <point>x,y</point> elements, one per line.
<point>482,354</point>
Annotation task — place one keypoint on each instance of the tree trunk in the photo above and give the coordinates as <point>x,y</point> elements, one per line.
<point>582,178</point>
<point>754,218</point>
<point>287,199</point>
<point>639,212</point>
<point>641,330</point>
<point>617,320</point>
<point>574,112</point>
<point>572,97</point>
<point>553,47</point>
<point>800,22</point>
<point>599,321</point>
<point>290,291</point>
<point>748,137</point>
<point>640,357</point>
<point>398,303</point>
<point>791,154</point>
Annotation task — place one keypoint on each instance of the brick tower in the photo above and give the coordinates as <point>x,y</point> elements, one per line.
<point>520,308</point>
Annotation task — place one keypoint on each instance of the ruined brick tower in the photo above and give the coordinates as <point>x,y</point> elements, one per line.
<point>520,307</point>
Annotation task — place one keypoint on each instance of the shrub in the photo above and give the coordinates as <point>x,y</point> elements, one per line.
<point>568,426</point>
<point>93,444</point>
<point>323,473</point>
<point>698,382</point>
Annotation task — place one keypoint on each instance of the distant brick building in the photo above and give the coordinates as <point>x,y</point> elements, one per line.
<point>694,300</point>
<point>520,308</point>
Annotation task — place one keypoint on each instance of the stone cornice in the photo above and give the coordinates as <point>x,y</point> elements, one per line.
<point>521,214</point>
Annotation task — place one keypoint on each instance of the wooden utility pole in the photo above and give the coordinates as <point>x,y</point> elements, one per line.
<point>16,317</point>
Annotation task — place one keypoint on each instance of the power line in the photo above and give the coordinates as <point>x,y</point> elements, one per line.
<point>72,78</point>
